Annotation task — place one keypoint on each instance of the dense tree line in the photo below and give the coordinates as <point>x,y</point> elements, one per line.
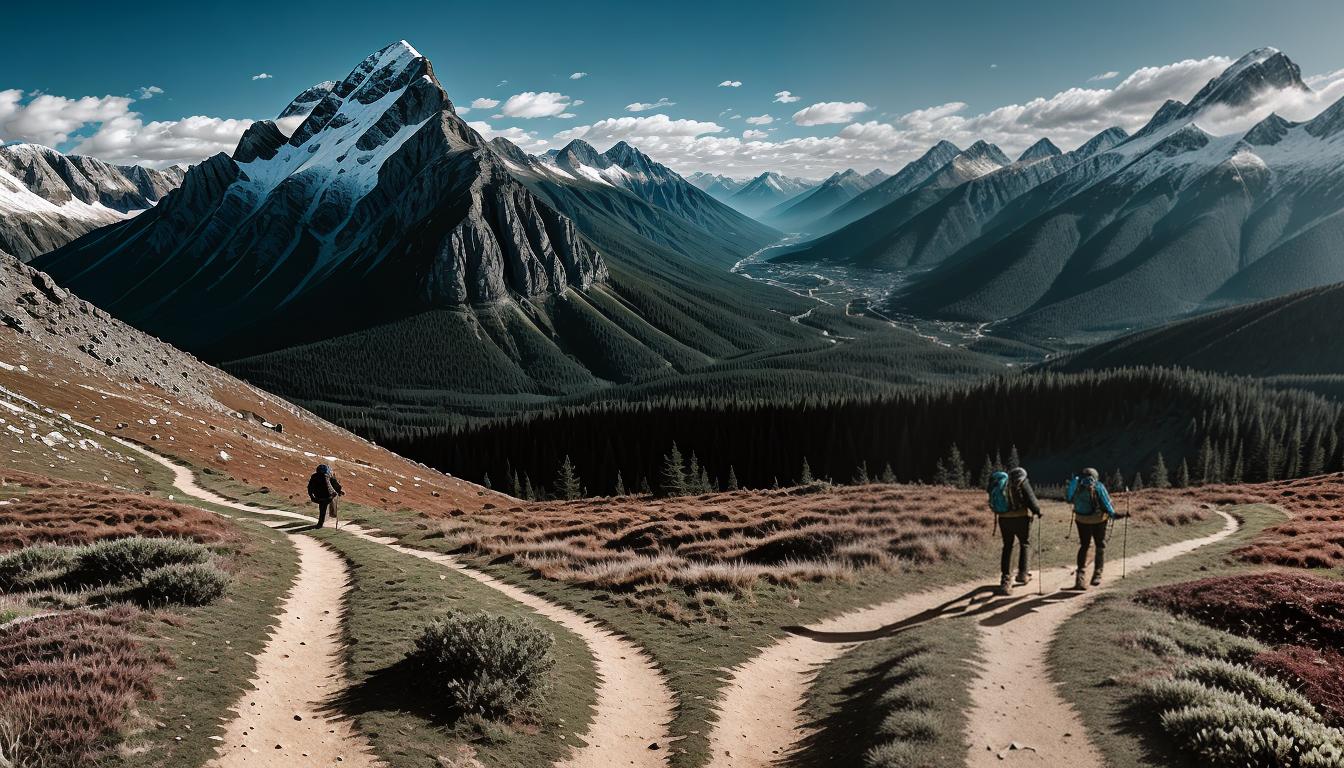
<point>1207,428</point>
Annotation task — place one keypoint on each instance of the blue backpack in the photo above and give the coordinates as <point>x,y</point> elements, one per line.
<point>998,493</point>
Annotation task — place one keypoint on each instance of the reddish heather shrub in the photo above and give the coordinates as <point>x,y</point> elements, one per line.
<point>1315,673</point>
<point>61,512</point>
<point>728,540</point>
<point>69,681</point>
<point>1275,607</point>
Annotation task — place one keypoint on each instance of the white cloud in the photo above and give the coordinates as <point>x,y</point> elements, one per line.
<point>1108,75</point>
<point>615,129</point>
<point>731,84</point>
<point>484,103</point>
<point>529,104</point>
<point>785,97</point>
<point>753,134</point>
<point>993,66</point>
<point>829,112</point>
<point>524,139</point>
<point>640,106</point>
<point>760,120</point>
<point>262,76</point>
<point>160,143</point>
<point>578,75</point>
<point>50,120</point>
<point>147,92</point>
<point>576,103</point>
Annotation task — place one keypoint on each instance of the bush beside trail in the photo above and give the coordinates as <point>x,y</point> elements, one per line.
<point>149,571</point>
<point>492,666</point>
<point>1275,607</point>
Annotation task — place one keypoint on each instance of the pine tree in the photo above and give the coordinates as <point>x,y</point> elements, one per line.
<point>1014,459</point>
<point>620,485</point>
<point>1238,469</point>
<point>486,481</point>
<point>1138,482</point>
<point>693,485</point>
<point>986,470</point>
<point>888,476</point>
<point>940,474</point>
<point>644,486</point>
<point>528,492</point>
<point>567,482</point>
<point>732,478</point>
<point>1117,481</point>
<point>861,474</point>
<point>1183,475</point>
<point>1160,477</point>
<point>957,475</point>
<point>515,485</point>
<point>703,482</point>
<point>805,478</point>
<point>674,473</point>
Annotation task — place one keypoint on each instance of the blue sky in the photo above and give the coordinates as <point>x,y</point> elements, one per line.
<point>874,63</point>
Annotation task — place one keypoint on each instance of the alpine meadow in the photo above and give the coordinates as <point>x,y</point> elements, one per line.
<point>876,385</point>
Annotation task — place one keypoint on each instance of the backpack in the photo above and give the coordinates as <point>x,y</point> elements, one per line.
<point>998,493</point>
<point>1089,503</point>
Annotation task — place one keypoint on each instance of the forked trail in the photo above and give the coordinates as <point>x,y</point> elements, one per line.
<point>760,709</point>
<point>286,719</point>
<point>633,702</point>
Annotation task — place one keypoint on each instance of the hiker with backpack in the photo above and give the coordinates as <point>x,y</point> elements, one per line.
<point>1092,509</point>
<point>323,489</point>
<point>1014,503</point>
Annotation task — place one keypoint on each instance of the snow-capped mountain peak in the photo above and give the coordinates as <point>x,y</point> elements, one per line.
<point>1260,70</point>
<point>1039,151</point>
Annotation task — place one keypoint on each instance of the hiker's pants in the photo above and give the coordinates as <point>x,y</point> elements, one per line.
<point>1015,529</point>
<point>322,507</point>
<point>1089,533</point>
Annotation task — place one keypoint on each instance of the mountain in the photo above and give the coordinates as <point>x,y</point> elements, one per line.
<point>866,241</point>
<point>627,168</point>
<point>797,213</point>
<point>1292,335</point>
<point>884,192</point>
<point>717,186</point>
<point>383,203</point>
<point>1169,222</point>
<point>766,191</point>
<point>303,104</point>
<point>48,199</point>
<point>389,268</point>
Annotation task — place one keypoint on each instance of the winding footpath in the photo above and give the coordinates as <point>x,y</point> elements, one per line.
<point>760,710</point>
<point>633,701</point>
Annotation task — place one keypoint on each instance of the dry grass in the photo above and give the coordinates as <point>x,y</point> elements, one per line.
<point>1314,538</point>
<point>69,683</point>
<point>727,541</point>
<point>43,510</point>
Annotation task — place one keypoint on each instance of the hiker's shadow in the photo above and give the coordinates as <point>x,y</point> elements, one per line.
<point>976,602</point>
<point>1023,608</point>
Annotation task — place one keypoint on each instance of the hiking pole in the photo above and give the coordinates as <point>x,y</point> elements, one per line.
<point>1040,555</point>
<point>1124,548</point>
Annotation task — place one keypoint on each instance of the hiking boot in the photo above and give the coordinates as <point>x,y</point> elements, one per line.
<point>1006,585</point>
<point>1022,578</point>
<point>1096,577</point>
<point>1079,580</point>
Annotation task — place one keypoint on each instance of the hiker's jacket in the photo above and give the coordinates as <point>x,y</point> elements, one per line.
<point>1091,502</point>
<point>323,487</point>
<point>1021,500</point>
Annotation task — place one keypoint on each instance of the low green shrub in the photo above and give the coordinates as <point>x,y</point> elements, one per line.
<point>35,566</point>
<point>183,584</point>
<point>911,725</point>
<point>493,666</point>
<point>118,561</point>
<point>1251,685</point>
<point>892,754</point>
<point>1175,637</point>
<point>1234,733</point>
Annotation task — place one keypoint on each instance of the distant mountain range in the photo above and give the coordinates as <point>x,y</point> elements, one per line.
<point>717,185</point>
<point>798,213</point>
<point>48,199</point>
<point>1122,233</point>
<point>766,191</point>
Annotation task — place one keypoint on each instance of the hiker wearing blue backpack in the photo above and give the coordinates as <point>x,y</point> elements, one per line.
<point>1092,509</point>
<point>1013,502</point>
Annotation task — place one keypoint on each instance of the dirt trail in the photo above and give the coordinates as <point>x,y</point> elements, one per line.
<point>760,708</point>
<point>1014,698</point>
<point>634,704</point>
<point>286,720</point>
